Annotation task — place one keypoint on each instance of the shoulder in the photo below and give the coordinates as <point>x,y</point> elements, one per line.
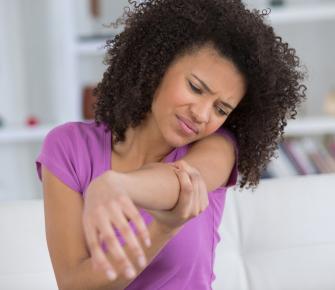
<point>220,151</point>
<point>75,133</point>
<point>76,127</point>
<point>73,150</point>
<point>221,139</point>
<point>78,142</point>
<point>226,135</point>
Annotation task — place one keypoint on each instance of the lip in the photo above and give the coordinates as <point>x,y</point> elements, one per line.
<point>189,124</point>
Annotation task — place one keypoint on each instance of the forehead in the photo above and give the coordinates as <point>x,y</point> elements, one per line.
<point>218,72</point>
<point>208,60</point>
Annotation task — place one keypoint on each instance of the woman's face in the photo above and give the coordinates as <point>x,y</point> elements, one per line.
<point>200,89</point>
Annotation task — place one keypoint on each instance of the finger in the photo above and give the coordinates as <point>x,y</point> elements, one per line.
<point>99,259</point>
<point>195,179</point>
<point>120,222</point>
<point>196,193</point>
<point>134,215</point>
<point>107,234</point>
<point>186,166</point>
<point>186,186</point>
<point>203,195</point>
<point>185,201</point>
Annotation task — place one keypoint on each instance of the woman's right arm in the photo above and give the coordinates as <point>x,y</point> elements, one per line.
<point>68,250</point>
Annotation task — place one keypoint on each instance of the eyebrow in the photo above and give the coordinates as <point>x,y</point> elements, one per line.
<point>211,92</point>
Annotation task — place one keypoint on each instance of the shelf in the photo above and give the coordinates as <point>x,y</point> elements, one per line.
<point>94,47</point>
<point>20,134</point>
<point>13,196</point>
<point>302,13</point>
<point>318,125</point>
<point>279,15</point>
<point>298,127</point>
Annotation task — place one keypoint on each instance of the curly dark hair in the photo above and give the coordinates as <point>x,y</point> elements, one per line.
<point>156,32</point>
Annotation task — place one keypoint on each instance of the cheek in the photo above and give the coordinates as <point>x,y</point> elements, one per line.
<point>211,128</point>
<point>171,98</point>
<point>178,94</point>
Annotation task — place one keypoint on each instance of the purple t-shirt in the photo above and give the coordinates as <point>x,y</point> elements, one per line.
<point>78,152</point>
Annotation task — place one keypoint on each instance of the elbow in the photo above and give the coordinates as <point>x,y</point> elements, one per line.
<point>65,284</point>
<point>71,281</point>
<point>65,281</point>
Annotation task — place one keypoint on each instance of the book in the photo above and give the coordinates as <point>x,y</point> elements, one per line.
<point>302,157</point>
<point>291,153</point>
<point>328,159</point>
<point>313,151</point>
<point>281,165</point>
<point>330,145</point>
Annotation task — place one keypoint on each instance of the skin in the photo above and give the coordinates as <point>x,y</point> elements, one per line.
<point>160,133</point>
<point>146,145</point>
<point>70,257</point>
<point>181,93</point>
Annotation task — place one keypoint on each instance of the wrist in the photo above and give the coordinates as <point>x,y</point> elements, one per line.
<point>118,180</point>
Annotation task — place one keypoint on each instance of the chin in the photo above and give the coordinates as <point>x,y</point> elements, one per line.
<point>183,142</point>
<point>175,141</point>
<point>176,144</point>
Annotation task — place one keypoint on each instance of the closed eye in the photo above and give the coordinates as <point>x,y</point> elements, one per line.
<point>195,89</point>
<point>221,112</point>
<point>199,91</point>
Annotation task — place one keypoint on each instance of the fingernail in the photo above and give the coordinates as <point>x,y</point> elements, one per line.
<point>141,261</point>
<point>130,272</point>
<point>147,242</point>
<point>111,275</point>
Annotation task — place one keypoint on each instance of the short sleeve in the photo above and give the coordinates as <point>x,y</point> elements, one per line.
<point>58,155</point>
<point>234,172</point>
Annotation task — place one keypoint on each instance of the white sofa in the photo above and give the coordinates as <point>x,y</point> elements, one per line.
<point>280,237</point>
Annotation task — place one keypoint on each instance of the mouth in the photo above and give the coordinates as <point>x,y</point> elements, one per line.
<point>187,126</point>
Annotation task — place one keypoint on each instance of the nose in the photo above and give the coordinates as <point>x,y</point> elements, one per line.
<point>201,111</point>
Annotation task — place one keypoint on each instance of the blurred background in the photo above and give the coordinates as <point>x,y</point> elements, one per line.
<point>51,54</point>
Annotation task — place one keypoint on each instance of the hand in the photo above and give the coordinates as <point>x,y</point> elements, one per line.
<point>107,204</point>
<point>193,199</point>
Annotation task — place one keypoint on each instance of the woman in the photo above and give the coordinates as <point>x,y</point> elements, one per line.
<point>204,86</point>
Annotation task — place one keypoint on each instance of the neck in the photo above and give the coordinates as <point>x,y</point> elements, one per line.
<point>142,145</point>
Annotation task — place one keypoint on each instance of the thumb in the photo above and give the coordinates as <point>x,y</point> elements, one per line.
<point>186,187</point>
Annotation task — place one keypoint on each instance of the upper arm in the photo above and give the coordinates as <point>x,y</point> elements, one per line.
<point>214,158</point>
<point>63,209</point>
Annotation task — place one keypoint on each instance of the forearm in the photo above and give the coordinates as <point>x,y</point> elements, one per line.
<point>153,186</point>
<point>83,277</point>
